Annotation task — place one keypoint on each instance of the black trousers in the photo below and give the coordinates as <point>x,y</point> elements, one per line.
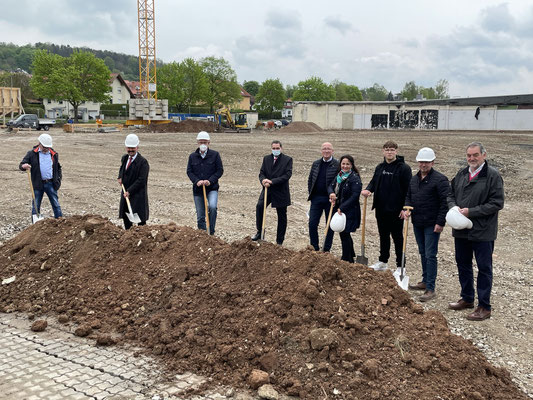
<point>348,252</point>
<point>390,224</point>
<point>282,218</point>
<point>128,224</point>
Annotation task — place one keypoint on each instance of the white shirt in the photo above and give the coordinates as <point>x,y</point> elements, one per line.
<point>474,173</point>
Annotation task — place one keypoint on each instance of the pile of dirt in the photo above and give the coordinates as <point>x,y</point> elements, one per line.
<point>320,327</point>
<point>300,127</point>
<point>188,125</point>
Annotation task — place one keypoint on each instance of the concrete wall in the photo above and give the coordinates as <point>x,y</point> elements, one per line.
<point>359,116</point>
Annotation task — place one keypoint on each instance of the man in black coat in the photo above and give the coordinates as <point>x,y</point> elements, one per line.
<point>133,174</point>
<point>323,172</point>
<point>427,195</point>
<point>389,185</point>
<point>275,173</point>
<point>478,192</point>
<point>43,163</point>
<point>204,169</point>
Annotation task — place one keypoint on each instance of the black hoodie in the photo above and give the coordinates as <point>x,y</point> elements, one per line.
<point>390,184</point>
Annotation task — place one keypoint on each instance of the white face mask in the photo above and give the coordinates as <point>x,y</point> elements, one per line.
<point>276,153</point>
<point>203,148</point>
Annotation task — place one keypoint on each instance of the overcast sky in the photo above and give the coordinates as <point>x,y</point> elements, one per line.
<point>482,47</point>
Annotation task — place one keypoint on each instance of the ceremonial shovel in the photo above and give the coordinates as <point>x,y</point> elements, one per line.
<point>263,227</point>
<point>134,218</point>
<point>206,205</point>
<point>38,216</point>
<point>399,274</point>
<point>327,226</point>
<point>362,259</point>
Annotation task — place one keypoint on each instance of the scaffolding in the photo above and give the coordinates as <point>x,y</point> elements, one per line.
<point>10,102</point>
<point>147,58</point>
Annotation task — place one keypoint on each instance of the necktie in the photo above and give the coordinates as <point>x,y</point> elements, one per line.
<point>275,159</point>
<point>129,162</point>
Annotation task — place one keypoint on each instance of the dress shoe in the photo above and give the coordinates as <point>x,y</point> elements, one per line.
<point>460,305</point>
<point>418,286</point>
<point>428,295</point>
<point>379,266</point>
<point>256,237</point>
<point>479,314</point>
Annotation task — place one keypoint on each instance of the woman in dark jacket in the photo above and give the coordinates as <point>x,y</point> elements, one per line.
<point>344,191</point>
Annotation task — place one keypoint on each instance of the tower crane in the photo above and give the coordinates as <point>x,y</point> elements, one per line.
<point>147,58</point>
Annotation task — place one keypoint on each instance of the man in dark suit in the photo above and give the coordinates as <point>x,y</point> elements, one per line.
<point>133,174</point>
<point>275,173</point>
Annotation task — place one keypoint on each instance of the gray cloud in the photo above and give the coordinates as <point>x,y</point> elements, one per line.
<point>283,20</point>
<point>339,24</point>
<point>497,19</point>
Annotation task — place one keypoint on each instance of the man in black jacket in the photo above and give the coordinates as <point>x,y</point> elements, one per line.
<point>322,173</point>
<point>478,192</point>
<point>46,175</point>
<point>133,174</point>
<point>275,173</point>
<point>427,195</point>
<point>204,169</point>
<point>389,185</point>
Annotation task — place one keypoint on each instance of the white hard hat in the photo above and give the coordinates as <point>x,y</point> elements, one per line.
<point>457,220</point>
<point>131,140</point>
<point>338,222</point>
<point>46,140</point>
<point>425,154</point>
<point>203,135</point>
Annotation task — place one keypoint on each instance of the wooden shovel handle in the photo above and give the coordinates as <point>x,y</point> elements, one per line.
<point>127,199</point>
<point>363,225</point>
<point>405,227</point>
<point>264,214</point>
<point>329,218</point>
<point>206,205</point>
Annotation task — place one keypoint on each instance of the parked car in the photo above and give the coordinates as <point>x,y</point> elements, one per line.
<point>285,122</point>
<point>278,124</point>
<point>30,121</point>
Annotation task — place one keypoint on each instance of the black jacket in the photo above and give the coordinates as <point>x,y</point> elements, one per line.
<point>400,177</point>
<point>32,158</point>
<point>199,169</point>
<point>484,197</point>
<point>348,200</point>
<point>331,172</point>
<point>428,199</point>
<point>135,180</point>
<point>279,174</point>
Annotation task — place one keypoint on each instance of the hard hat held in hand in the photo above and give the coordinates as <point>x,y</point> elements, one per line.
<point>46,140</point>
<point>131,140</point>
<point>338,222</point>
<point>425,154</point>
<point>203,135</point>
<point>457,220</point>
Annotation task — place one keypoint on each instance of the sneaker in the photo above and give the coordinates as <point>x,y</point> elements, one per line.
<point>379,266</point>
<point>428,295</point>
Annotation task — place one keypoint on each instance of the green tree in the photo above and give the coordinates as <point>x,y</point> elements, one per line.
<point>314,89</point>
<point>441,89</point>
<point>271,96</point>
<point>375,93</point>
<point>20,80</point>
<point>427,93</point>
<point>410,90</point>
<point>251,87</point>
<point>170,82</point>
<point>110,63</point>
<point>222,86</point>
<point>289,91</point>
<point>194,82</point>
<point>345,92</point>
<point>76,79</point>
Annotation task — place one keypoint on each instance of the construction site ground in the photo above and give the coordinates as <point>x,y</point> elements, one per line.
<point>131,283</point>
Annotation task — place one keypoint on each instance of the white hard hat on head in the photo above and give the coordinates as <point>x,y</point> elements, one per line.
<point>203,135</point>
<point>131,140</point>
<point>425,154</point>
<point>46,140</point>
<point>338,222</point>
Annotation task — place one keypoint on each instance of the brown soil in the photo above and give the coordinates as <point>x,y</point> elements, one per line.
<point>189,125</point>
<point>224,309</point>
<point>299,127</point>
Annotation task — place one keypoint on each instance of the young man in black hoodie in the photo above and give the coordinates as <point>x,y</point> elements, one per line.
<point>389,184</point>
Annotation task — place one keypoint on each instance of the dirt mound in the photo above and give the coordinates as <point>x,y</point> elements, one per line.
<point>300,127</point>
<point>189,125</point>
<point>319,326</point>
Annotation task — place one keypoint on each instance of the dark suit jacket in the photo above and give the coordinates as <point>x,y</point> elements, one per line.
<point>279,174</point>
<point>135,180</point>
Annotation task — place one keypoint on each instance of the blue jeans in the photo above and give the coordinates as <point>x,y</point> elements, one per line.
<point>465,250</point>
<point>48,188</point>
<point>212,201</point>
<point>428,246</point>
<point>319,205</point>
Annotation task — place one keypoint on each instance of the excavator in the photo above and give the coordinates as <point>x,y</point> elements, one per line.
<point>225,122</point>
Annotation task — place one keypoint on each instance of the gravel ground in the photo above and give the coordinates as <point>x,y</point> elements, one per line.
<point>90,165</point>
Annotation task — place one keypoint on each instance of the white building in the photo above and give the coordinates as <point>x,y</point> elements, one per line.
<point>286,112</point>
<point>474,113</point>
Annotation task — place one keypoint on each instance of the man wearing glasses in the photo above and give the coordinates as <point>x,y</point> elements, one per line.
<point>389,184</point>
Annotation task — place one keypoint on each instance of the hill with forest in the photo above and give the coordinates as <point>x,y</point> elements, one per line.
<point>13,56</point>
